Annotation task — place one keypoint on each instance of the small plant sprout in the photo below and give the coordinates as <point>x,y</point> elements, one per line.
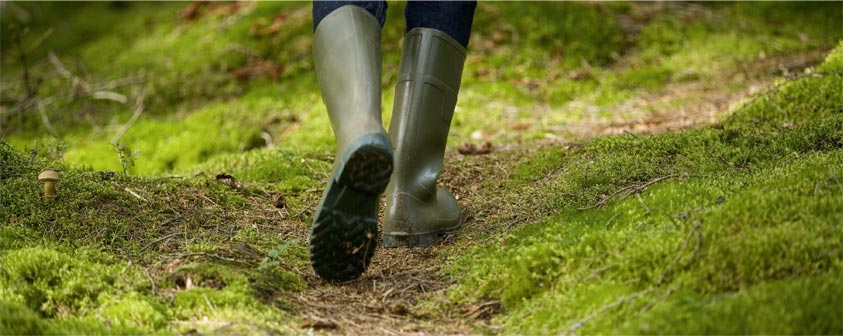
<point>50,179</point>
<point>273,258</point>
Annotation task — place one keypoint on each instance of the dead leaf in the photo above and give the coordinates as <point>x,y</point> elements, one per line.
<point>579,75</point>
<point>319,324</point>
<point>522,126</point>
<point>280,203</point>
<point>260,28</point>
<point>472,149</point>
<point>220,9</point>
<point>479,72</point>
<point>259,68</point>
<point>804,37</point>
<point>483,310</point>
<point>558,53</point>
<point>228,180</point>
<point>194,10</point>
<point>399,308</point>
<point>191,12</point>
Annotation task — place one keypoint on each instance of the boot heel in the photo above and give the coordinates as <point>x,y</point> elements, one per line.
<point>368,167</point>
<point>416,240</point>
<point>420,240</point>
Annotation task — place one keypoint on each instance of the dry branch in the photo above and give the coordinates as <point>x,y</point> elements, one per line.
<point>694,233</point>
<point>139,106</point>
<point>633,189</point>
<point>579,324</point>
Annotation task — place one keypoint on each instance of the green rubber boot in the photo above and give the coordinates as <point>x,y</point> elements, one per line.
<point>417,211</point>
<point>346,49</point>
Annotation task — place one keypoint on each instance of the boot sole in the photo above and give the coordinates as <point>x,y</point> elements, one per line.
<point>344,234</point>
<point>418,240</point>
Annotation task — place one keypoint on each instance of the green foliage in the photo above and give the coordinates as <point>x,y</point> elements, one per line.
<point>273,257</point>
<point>520,56</point>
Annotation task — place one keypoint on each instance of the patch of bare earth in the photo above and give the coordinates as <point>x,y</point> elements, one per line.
<point>383,301</point>
<point>691,104</point>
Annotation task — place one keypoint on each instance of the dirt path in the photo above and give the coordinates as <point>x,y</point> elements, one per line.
<point>383,301</point>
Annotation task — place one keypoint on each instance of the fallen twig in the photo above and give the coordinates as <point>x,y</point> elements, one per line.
<point>632,189</point>
<point>45,120</point>
<point>638,195</point>
<point>579,324</point>
<point>210,305</point>
<point>694,233</point>
<point>214,256</point>
<point>151,281</point>
<point>167,237</point>
<point>40,39</point>
<point>664,296</point>
<point>133,193</point>
<point>138,110</point>
<point>33,153</point>
<point>31,89</point>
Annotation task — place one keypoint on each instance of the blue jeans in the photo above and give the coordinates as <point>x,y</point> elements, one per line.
<point>452,17</point>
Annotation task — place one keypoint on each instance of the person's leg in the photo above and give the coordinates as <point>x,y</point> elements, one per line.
<point>417,211</point>
<point>347,55</point>
<point>450,17</point>
<point>321,9</point>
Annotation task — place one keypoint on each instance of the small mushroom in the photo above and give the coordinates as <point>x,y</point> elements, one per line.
<point>50,178</point>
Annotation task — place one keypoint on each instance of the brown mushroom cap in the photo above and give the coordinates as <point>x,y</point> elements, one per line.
<point>48,175</point>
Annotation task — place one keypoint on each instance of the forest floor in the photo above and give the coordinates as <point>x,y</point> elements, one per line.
<point>675,171</point>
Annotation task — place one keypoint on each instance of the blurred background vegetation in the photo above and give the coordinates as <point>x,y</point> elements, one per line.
<point>207,80</point>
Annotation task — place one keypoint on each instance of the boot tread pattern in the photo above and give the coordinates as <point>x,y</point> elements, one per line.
<point>345,233</point>
<point>368,169</point>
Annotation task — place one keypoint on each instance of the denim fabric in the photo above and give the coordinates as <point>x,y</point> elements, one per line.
<point>321,9</point>
<point>452,17</point>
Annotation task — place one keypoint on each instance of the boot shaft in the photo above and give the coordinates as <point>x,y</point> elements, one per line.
<point>347,55</point>
<point>425,98</point>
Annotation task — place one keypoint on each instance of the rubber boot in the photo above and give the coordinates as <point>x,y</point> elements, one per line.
<point>346,49</point>
<point>417,211</point>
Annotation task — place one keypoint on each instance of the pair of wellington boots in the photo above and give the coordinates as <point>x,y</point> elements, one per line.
<point>405,164</point>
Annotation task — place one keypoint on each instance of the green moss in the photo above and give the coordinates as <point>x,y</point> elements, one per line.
<point>233,303</point>
<point>707,234</point>
<point>809,305</point>
<point>54,284</point>
<point>133,310</point>
<point>18,319</point>
<point>46,291</point>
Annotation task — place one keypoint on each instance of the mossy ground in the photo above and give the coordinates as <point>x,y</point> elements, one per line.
<point>709,222</point>
<point>727,228</point>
